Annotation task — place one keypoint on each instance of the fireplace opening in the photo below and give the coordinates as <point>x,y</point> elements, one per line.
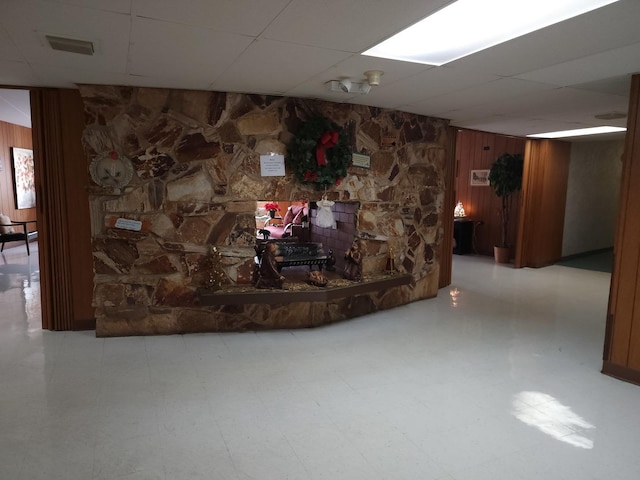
<point>299,221</point>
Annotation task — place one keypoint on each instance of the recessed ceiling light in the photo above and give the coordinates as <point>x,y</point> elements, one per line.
<point>468,26</point>
<point>578,132</point>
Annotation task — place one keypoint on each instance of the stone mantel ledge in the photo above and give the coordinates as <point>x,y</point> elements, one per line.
<point>321,294</point>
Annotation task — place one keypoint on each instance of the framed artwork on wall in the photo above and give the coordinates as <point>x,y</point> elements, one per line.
<point>24,185</point>
<point>479,178</point>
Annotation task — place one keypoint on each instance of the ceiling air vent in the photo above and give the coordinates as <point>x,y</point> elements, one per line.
<point>70,45</point>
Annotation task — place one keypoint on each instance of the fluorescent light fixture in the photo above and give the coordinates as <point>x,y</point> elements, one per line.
<point>578,132</point>
<point>468,26</point>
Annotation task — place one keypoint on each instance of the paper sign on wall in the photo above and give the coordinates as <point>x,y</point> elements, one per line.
<point>272,165</point>
<point>128,224</point>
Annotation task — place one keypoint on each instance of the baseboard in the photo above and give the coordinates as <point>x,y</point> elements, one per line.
<point>621,373</point>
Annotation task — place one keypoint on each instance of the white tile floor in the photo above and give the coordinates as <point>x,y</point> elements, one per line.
<point>498,378</point>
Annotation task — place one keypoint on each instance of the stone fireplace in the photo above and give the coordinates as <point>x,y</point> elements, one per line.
<point>196,182</point>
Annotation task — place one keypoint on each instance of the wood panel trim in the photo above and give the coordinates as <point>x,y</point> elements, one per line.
<point>621,373</point>
<point>55,277</point>
<point>544,192</point>
<point>623,299</point>
<point>446,242</point>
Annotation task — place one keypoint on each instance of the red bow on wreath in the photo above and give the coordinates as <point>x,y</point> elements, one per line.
<point>327,140</point>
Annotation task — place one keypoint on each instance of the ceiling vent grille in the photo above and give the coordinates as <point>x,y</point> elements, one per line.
<point>70,45</point>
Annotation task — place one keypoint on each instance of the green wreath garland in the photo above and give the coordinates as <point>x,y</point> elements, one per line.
<point>319,133</point>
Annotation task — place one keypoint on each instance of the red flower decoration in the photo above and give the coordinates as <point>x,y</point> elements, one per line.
<point>113,155</point>
<point>310,176</point>
<point>271,206</point>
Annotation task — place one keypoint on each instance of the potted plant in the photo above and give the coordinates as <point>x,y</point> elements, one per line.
<point>505,177</point>
<point>271,207</point>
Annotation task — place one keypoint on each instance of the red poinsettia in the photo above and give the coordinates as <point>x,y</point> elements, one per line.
<point>271,206</point>
<point>310,176</point>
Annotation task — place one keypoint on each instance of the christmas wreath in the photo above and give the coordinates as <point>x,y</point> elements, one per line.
<point>319,154</point>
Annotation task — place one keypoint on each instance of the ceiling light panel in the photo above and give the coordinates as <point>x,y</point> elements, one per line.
<point>578,132</point>
<point>469,26</point>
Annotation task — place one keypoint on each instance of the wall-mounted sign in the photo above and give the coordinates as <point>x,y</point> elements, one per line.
<point>128,224</point>
<point>272,165</point>
<point>359,160</point>
<point>479,178</point>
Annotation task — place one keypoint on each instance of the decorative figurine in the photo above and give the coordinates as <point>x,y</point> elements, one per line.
<point>391,261</point>
<point>324,217</point>
<point>268,275</point>
<point>317,279</point>
<point>353,262</point>
<point>265,233</point>
<point>331,261</point>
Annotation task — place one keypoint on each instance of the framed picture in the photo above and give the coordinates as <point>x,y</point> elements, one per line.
<point>479,178</point>
<point>24,185</point>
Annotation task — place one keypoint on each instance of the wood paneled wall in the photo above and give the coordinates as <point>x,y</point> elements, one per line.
<point>13,136</point>
<point>66,260</point>
<point>544,195</point>
<point>477,151</point>
<point>622,338</point>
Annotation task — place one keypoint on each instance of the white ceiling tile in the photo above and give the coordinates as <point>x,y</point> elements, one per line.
<point>620,86</point>
<point>8,50</point>
<point>563,103</point>
<point>28,22</point>
<point>612,63</point>
<point>166,82</point>
<point>428,84</point>
<point>276,67</point>
<point>352,25</point>
<point>18,73</point>
<point>70,78</point>
<point>600,30</point>
<point>119,6</point>
<point>195,53</point>
<point>494,93</point>
<point>247,17</point>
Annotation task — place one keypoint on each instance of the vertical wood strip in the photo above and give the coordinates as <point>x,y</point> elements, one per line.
<point>446,243</point>
<point>54,249</point>
<point>78,218</point>
<point>622,342</point>
<point>545,178</point>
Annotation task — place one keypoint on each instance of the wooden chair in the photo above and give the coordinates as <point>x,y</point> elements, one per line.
<point>18,235</point>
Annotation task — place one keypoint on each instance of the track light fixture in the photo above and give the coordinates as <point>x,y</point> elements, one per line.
<point>373,77</point>
<point>347,85</point>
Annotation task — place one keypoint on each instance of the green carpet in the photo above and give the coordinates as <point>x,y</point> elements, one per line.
<point>601,261</point>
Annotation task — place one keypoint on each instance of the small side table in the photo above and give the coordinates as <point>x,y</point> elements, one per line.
<point>463,235</point>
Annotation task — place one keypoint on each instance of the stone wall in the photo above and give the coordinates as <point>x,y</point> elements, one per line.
<point>197,177</point>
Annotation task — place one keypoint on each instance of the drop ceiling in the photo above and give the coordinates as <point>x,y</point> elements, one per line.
<point>558,78</point>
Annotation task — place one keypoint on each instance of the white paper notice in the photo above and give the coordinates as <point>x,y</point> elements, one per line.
<point>272,165</point>
<point>127,224</point>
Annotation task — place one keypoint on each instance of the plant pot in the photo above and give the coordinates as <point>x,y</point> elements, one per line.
<point>272,213</point>
<point>501,254</point>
